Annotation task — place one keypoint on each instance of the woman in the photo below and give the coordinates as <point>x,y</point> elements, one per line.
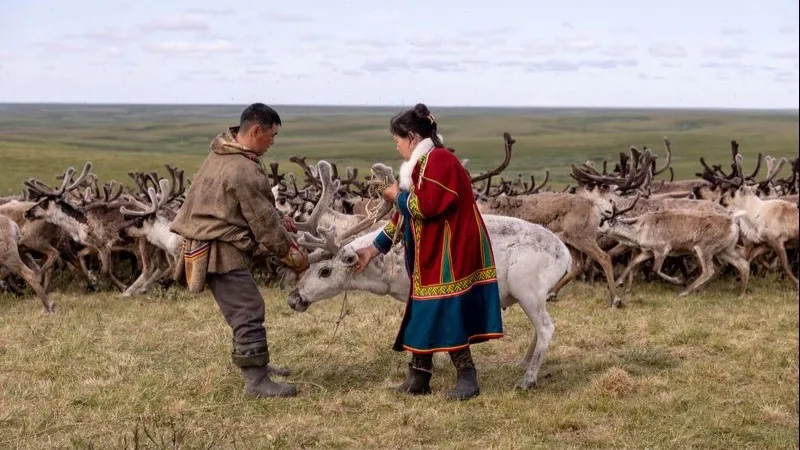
<point>454,299</point>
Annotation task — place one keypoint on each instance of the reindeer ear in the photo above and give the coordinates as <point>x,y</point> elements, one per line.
<point>350,259</point>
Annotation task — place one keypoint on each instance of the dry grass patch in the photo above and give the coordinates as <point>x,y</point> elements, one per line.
<point>708,371</point>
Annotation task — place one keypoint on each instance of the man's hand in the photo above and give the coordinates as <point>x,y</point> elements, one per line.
<point>296,259</point>
<point>365,255</point>
<point>391,193</point>
<point>289,224</point>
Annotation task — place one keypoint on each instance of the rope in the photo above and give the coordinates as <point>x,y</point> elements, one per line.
<point>375,188</point>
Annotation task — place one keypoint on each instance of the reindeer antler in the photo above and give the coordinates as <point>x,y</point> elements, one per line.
<point>615,212</point>
<point>508,143</point>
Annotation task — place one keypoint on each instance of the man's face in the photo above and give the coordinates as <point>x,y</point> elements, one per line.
<point>263,138</point>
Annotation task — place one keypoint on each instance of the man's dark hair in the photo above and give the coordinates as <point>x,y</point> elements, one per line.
<point>258,114</point>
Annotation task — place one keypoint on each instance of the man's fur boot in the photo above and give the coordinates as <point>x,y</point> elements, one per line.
<point>252,359</point>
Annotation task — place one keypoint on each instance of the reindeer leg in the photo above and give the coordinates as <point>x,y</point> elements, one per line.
<point>145,253</point>
<point>14,263</point>
<point>658,261</point>
<point>107,265</point>
<point>779,248</point>
<point>157,272</point>
<point>627,274</point>
<point>532,300</point>
<point>708,271</point>
<point>84,268</point>
<point>590,248</point>
<point>51,256</point>
<point>742,266</point>
<point>577,267</point>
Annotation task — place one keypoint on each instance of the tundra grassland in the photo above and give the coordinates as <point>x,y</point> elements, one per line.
<point>709,370</point>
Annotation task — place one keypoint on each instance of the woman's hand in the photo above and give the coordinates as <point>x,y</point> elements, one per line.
<point>365,255</point>
<point>390,193</point>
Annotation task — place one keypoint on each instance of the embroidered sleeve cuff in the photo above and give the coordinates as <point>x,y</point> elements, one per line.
<point>408,204</point>
<point>383,242</point>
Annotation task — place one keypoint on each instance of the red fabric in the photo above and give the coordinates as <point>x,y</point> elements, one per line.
<point>442,204</point>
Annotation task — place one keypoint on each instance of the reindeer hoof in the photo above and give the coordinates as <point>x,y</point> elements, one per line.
<point>524,385</point>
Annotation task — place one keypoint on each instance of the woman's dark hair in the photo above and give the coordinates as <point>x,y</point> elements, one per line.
<point>417,120</point>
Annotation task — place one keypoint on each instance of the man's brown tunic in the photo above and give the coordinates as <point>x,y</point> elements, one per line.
<point>229,211</point>
<point>231,206</point>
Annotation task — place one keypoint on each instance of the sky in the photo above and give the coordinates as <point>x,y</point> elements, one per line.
<point>598,53</point>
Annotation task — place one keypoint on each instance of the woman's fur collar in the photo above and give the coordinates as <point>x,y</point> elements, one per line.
<point>407,168</point>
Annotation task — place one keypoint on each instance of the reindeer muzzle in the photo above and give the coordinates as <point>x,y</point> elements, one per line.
<point>296,301</point>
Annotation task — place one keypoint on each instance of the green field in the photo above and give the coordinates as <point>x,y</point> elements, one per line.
<point>709,370</point>
<point>41,141</point>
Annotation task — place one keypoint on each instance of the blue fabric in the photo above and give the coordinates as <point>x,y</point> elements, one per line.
<point>438,325</point>
<point>451,323</point>
<point>383,242</point>
<point>401,202</point>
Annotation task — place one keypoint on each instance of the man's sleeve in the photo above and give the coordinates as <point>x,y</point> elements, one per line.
<point>262,216</point>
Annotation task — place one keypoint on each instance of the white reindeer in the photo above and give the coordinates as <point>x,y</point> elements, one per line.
<point>529,259</point>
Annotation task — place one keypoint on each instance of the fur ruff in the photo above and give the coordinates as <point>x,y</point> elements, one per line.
<point>407,168</point>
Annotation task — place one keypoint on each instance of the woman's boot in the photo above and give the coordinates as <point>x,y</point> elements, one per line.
<point>467,377</point>
<point>418,379</point>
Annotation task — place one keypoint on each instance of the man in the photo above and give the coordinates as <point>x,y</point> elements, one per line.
<point>228,216</point>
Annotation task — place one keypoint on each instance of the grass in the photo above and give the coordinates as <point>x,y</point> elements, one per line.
<point>707,371</point>
<point>42,144</point>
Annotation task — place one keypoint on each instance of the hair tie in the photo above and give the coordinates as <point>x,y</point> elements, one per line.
<point>431,118</point>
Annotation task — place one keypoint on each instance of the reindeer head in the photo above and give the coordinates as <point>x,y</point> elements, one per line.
<point>327,277</point>
<point>609,218</point>
<point>50,201</point>
<point>634,174</point>
<point>154,196</point>
<point>334,256</point>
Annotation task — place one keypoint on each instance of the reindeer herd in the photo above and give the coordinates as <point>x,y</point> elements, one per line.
<point>684,230</point>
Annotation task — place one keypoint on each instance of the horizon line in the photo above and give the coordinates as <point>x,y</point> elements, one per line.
<point>345,105</point>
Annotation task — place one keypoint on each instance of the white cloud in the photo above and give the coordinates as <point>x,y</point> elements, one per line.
<point>738,67</point>
<point>280,17</point>
<point>791,54</point>
<point>59,47</point>
<point>786,77</point>
<point>192,48</point>
<point>485,33</point>
<point>645,76</point>
<point>733,31</point>
<point>579,46</point>
<point>185,22</point>
<point>106,34</point>
<point>371,42</point>
<point>618,50</point>
<point>788,29</point>
<point>426,42</point>
<point>210,12</point>
<point>315,37</point>
<point>667,50</point>
<point>386,65</point>
<point>535,48</point>
<point>726,52</point>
